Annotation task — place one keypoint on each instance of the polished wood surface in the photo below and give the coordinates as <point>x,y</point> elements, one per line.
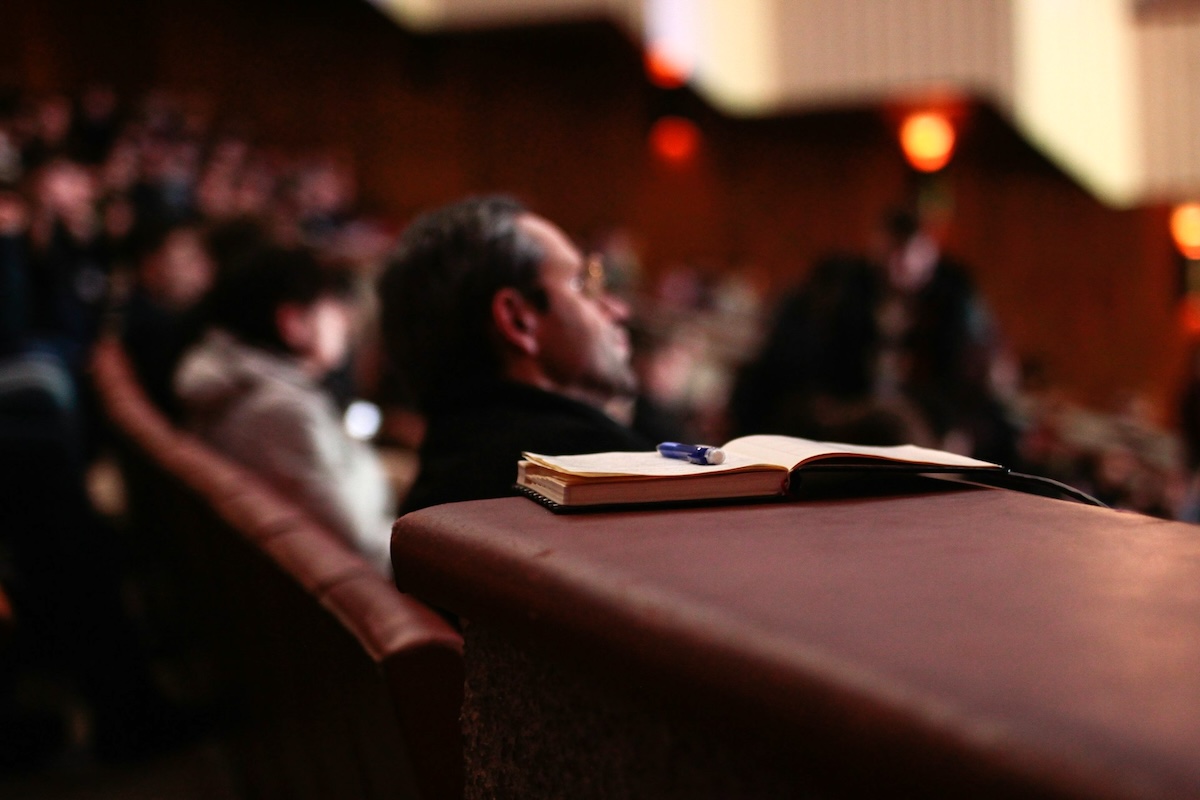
<point>1015,637</point>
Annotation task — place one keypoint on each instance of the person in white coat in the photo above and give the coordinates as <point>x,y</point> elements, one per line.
<point>281,322</point>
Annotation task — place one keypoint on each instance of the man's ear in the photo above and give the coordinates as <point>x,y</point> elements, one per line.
<point>516,320</point>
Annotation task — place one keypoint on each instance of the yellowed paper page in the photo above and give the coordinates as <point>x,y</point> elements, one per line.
<point>788,451</point>
<point>650,464</point>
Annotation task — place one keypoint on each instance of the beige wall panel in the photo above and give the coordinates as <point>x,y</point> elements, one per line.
<point>1169,60</point>
<point>842,51</point>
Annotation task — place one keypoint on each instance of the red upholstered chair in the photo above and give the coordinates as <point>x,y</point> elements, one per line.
<point>421,659</point>
<point>342,686</point>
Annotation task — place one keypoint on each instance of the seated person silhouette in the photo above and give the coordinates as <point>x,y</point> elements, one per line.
<point>159,320</point>
<point>939,343</point>
<point>814,376</point>
<point>510,342</point>
<point>279,323</point>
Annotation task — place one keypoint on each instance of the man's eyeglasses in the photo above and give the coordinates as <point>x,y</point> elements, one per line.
<point>592,281</point>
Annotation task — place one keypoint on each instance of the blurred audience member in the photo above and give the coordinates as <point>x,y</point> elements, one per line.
<point>323,197</point>
<point>252,388</point>
<point>49,123</point>
<point>69,263</point>
<point>164,192</point>
<point>815,376</point>
<point>96,123</point>
<point>939,344</point>
<point>162,314</point>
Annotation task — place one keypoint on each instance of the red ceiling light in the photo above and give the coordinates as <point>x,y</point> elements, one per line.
<point>927,139</point>
<point>665,70</point>
<point>1189,316</point>
<point>675,139</point>
<point>1185,229</point>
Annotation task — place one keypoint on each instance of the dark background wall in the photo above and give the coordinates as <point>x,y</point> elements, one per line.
<point>559,116</point>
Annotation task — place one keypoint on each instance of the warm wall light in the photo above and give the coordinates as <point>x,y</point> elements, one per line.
<point>675,139</point>
<point>927,139</point>
<point>1185,229</point>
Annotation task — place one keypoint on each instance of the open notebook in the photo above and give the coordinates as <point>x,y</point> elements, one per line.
<point>754,467</point>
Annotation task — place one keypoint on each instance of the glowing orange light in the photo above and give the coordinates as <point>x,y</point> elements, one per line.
<point>1185,229</point>
<point>1189,316</point>
<point>665,70</point>
<point>675,139</point>
<point>927,139</point>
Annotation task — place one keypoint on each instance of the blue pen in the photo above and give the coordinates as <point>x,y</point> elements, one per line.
<point>693,453</point>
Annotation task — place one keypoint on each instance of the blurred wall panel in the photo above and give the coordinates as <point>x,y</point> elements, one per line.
<point>1169,58</point>
<point>881,48</point>
<point>1087,291</point>
<point>59,44</point>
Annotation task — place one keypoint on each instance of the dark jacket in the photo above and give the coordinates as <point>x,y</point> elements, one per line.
<point>470,451</point>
